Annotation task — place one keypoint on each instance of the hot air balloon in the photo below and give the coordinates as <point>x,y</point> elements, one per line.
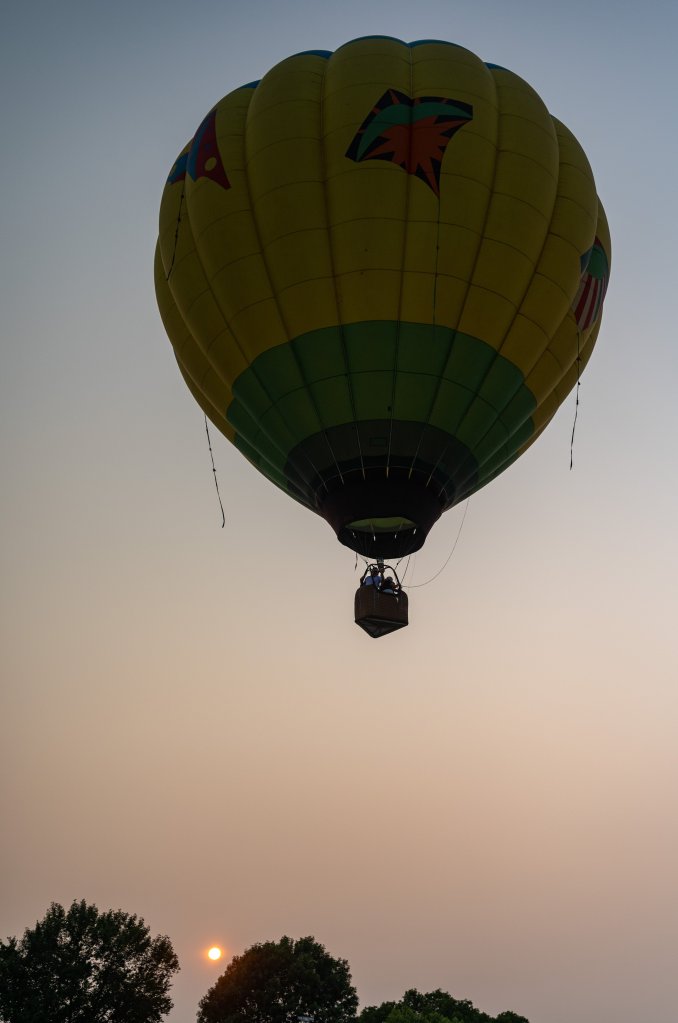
<point>382,269</point>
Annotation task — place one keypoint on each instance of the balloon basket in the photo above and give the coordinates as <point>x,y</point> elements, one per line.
<point>380,613</point>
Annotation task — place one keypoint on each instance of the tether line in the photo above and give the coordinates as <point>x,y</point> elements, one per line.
<point>214,470</point>
<point>576,403</point>
<point>176,235</point>
<point>415,586</point>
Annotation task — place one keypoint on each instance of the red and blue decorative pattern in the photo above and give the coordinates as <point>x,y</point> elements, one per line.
<point>590,295</point>
<point>412,133</point>
<point>202,159</point>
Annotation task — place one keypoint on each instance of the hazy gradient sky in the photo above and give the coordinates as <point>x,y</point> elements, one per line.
<point>484,802</point>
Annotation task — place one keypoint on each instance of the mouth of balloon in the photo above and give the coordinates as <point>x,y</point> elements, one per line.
<point>392,524</point>
<point>382,516</point>
<point>387,544</point>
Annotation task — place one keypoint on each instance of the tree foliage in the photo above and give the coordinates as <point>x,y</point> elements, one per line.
<point>83,966</point>
<point>433,1007</point>
<point>279,982</point>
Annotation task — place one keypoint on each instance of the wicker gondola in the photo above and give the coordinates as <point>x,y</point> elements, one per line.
<point>377,612</point>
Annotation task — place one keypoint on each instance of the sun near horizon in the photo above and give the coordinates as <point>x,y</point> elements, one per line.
<point>214,953</point>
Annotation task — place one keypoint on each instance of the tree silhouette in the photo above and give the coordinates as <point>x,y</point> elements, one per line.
<point>282,982</point>
<point>83,966</point>
<point>433,1007</point>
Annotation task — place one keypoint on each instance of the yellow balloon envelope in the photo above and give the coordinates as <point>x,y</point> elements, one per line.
<point>382,270</point>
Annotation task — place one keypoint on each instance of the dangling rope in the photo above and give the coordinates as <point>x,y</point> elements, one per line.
<point>214,470</point>
<point>176,235</point>
<point>416,586</point>
<point>407,567</point>
<point>576,403</point>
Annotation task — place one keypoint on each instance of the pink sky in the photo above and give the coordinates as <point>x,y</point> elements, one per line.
<point>484,802</point>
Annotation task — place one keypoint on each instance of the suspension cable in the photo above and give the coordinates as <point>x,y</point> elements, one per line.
<point>416,586</point>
